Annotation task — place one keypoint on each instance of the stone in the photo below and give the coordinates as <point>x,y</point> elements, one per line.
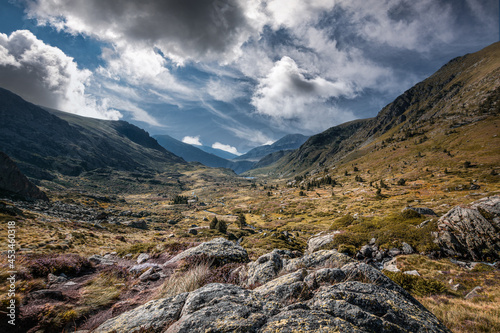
<point>421,210</point>
<point>139,224</point>
<point>142,258</point>
<point>150,275</point>
<point>474,293</point>
<point>391,266</point>
<point>264,269</point>
<point>144,266</point>
<point>319,241</point>
<point>414,272</point>
<point>220,250</point>
<point>100,260</point>
<point>407,249</point>
<point>366,251</point>
<point>193,231</point>
<point>353,297</point>
<point>471,232</point>
<point>394,252</point>
<point>456,287</point>
<point>154,316</point>
<point>53,279</point>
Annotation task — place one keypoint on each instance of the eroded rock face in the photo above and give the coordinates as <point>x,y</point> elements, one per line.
<point>219,249</point>
<point>471,232</point>
<point>355,297</point>
<point>14,183</point>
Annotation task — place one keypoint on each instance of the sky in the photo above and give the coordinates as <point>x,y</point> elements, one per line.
<point>232,74</point>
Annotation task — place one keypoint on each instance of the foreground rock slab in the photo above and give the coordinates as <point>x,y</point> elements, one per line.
<point>321,292</point>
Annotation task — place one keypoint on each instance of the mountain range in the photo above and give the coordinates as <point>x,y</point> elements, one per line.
<point>256,157</point>
<point>44,142</point>
<point>445,120</point>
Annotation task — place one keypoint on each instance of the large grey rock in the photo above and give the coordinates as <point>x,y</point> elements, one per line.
<point>321,258</point>
<point>154,316</point>
<point>354,297</point>
<point>471,232</point>
<point>220,250</point>
<point>317,242</point>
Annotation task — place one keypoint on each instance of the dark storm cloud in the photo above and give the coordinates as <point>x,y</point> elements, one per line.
<point>179,28</point>
<point>44,75</point>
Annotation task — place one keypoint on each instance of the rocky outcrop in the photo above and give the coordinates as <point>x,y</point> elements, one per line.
<point>471,232</point>
<point>220,250</point>
<point>14,184</point>
<point>318,241</point>
<point>352,297</point>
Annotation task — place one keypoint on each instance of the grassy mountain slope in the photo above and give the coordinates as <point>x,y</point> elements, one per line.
<point>44,142</point>
<point>443,122</point>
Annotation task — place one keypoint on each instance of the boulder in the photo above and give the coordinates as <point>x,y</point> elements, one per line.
<point>471,232</point>
<point>352,298</point>
<point>407,249</point>
<point>142,258</point>
<point>154,316</point>
<point>220,250</point>
<point>421,210</point>
<point>318,241</point>
<point>100,260</point>
<point>139,224</point>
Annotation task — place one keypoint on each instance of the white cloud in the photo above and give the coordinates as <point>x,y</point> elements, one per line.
<point>287,94</point>
<point>227,148</point>
<point>192,140</point>
<point>44,75</point>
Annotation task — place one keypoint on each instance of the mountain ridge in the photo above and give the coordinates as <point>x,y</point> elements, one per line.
<point>44,142</point>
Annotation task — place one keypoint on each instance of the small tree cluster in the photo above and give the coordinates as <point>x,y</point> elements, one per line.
<point>180,200</point>
<point>219,225</point>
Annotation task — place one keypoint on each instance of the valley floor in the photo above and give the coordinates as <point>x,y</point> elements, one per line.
<point>77,256</point>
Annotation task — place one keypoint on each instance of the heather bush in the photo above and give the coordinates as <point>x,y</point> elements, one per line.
<point>69,264</point>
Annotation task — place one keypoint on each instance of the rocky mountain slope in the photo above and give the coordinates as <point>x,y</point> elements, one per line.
<point>288,142</point>
<point>437,112</point>
<point>14,184</point>
<point>195,154</point>
<point>43,143</point>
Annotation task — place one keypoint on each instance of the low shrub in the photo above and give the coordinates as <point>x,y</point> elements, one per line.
<point>417,285</point>
<point>69,264</point>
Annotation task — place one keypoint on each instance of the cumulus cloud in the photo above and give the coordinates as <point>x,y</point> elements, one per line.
<point>227,148</point>
<point>44,75</point>
<point>286,93</point>
<point>192,140</point>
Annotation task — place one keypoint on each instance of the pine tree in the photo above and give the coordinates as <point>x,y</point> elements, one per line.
<point>241,221</point>
<point>221,226</point>
<point>213,223</point>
